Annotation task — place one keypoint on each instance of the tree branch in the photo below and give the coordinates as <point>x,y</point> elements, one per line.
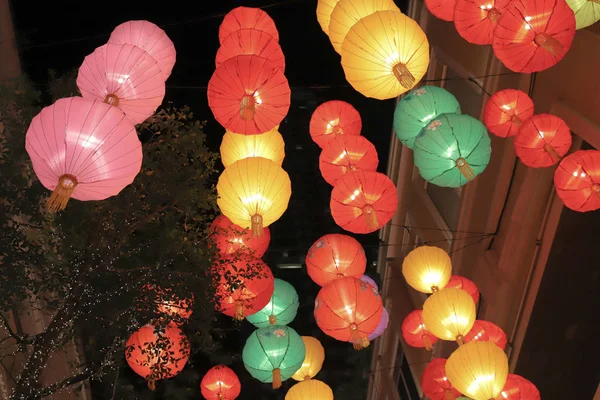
<point>10,331</point>
<point>48,390</point>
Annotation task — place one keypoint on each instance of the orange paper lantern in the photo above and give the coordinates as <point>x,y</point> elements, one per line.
<point>460,282</point>
<point>220,383</point>
<point>324,10</point>
<point>542,141</point>
<point>169,303</point>
<point>435,384</point>
<point>334,118</point>
<point>506,111</point>
<point>485,331</point>
<point>476,20</point>
<point>247,18</point>
<point>519,388</point>
<point>442,9</point>
<point>345,154</point>
<point>230,238</point>
<point>577,180</point>
<point>334,256</point>
<point>415,332</point>
<point>251,42</point>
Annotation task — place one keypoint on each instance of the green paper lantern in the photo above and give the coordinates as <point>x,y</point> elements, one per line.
<point>273,354</point>
<point>416,110</point>
<point>282,307</point>
<point>452,150</point>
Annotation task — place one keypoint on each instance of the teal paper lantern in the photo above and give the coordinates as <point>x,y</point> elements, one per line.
<point>452,150</point>
<point>282,307</point>
<point>273,354</point>
<point>418,108</point>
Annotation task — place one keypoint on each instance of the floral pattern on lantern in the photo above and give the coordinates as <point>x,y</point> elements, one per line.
<point>542,141</point>
<point>577,180</point>
<point>505,112</point>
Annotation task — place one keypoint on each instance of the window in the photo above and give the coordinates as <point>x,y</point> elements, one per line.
<point>407,390</point>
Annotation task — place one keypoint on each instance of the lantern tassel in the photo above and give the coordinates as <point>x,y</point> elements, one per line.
<point>112,99</point>
<point>460,339</point>
<point>403,75</point>
<point>272,319</point>
<point>548,148</point>
<point>427,342</point>
<point>548,43</point>
<point>516,120</point>
<point>370,218</point>
<point>239,311</point>
<point>307,378</point>
<point>358,342</point>
<point>448,395</point>
<point>465,169</point>
<point>152,385</point>
<point>276,378</point>
<point>257,225</point>
<point>62,193</point>
<point>247,107</point>
<point>220,396</point>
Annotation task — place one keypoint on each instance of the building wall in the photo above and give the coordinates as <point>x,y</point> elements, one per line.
<point>515,202</point>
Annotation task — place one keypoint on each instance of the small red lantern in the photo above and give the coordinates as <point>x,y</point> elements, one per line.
<point>460,282</point>
<point>519,388</point>
<point>435,384</point>
<point>334,118</point>
<point>230,238</point>
<point>485,331</point>
<point>334,256</point>
<point>247,17</point>
<point>220,383</point>
<point>577,180</point>
<point>442,9</point>
<point>415,333</point>
<point>505,112</point>
<point>343,154</point>
<point>251,42</point>
<point>475,20</point>
<point>542,141</point>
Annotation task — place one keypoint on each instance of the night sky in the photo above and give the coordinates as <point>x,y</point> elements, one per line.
<point>59,34</point>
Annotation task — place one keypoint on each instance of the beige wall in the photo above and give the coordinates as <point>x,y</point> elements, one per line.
<point>9,57</point>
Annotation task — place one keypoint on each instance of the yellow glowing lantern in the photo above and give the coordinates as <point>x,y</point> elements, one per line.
<point>449,314</point>
<point>324,10</point>
<point>313,361</point>
<point>385,55</point>
<point>268,145</point>
<point>309,390</point>
<point>478,370</point>
<point>253,193</point>
<point>348,12</point>
<point>427,269</point>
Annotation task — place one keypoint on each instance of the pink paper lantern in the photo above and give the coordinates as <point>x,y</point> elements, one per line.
<point>383,324</point>
<point>84,149</point>
<point>124,76</point>
<point>150,38</point>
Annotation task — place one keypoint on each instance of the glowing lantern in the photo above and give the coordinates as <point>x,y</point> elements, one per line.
<point>478,370</point>
<point>427,269</point>
<point>150,38</point>
<point>505,112</point>
<point>577,180</point>
<point>324,10</point>
<point>334,118</point>
<point>434,382</point>
<point>452,150</point>
<point>313,361</point>
<point>383,324</point>
<point>345,154</point>
<point>82,149</point>
<point>476,20</point>
<point>273,354</point>
<point>269,145</point>
<point>416,110</point>
<point>334,256</point>
<point>460,282</point>
<point>312,389</point>
<point>370,281</point>
<point>230,238</point>
<point>251,42</point>
<point>254,193</point>
<point>167,302</point>
<point>519,388</point>
<point>248,95</point>
<point>415,333</point>
<point>348,12</point>
<point>534,35</point>
<point>385,55</point>
<point>247,18</point>
<point>542,141</point>
<point>280,310</point>
<point>587,12</point>
<point>123,76</point>
<point>157,355</point>
<point>363,202</point>
<point>245,286</point>
<point>485,331</point>
<point>449,314</point>
<point>220,383</point>
<point>442,9</point>
<point>348,309</point>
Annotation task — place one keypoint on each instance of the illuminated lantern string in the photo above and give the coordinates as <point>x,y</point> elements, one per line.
<point>280,310</point>
<point>220,383</point>
<point>587,12</point>
<point>577,180</point>
<point>251,42</point>
<point>519,388</point>
<point>230,238</point>
<point>345,154</point>
<point>505,112</point>
<point>476,20</point>
<point>434,382</point>
<point>247,18</point>
<point>415,332</point>
<point>460,282</point>
<point>269,145</point>
<point>324,10</point>
<point>427,269</point>
<point>313,361</point>
<point>312,389</point>
<point>332,119</point>
<point>542,141</point>
<point>334,256</point>
<point>449,314</point>
<point>442,9</point>
<point>485,331</point>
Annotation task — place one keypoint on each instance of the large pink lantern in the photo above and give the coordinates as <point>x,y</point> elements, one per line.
<point>151,39</point>
<point>84,149</point>
<point>124,76</point>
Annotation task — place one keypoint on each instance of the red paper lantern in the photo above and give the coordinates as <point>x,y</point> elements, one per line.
<point>442,9</point>
<point>334,256</point>
<point>229,238</point>
<point>485,331</point>
<point>475,20</point>
<point>577,180</point>
<point>435,384</point>
<point>542,141</point>
<point>157,356</point>
<point>415,333</point>
<point>519,388</point>
<point>251,42</point>
<point>248,95</point>
<point>169,303</point>
<point>245,286</point>
<point>348,309</point>
<point>220,383</point>
<point>534,35</point>
<point>506,111</point>
<point>247,17</point>
<point>344,154</point>
<point>334,118</point>
<point>460,282</point>
<point>362,202</point>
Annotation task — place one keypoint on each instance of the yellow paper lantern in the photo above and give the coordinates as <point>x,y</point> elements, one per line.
<point>348,12</point>
<point>587,12</point>
<point>253,193</point>
<point>268,145</point>
<point>324,10</point>
<point>385,55</point>
<point>449,314</point>
<point>478,370</point>
<point>313,361</point>
<point>309,390</point>
<point>427,269</point>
